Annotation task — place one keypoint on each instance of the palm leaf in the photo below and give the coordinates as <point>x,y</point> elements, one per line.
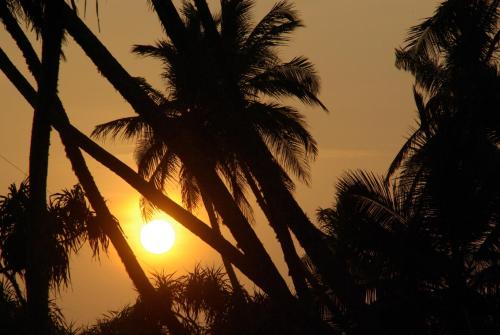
<point>296,78</point>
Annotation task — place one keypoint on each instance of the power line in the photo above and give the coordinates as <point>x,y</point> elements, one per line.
<point>18,168</point>
<point>13,165</point>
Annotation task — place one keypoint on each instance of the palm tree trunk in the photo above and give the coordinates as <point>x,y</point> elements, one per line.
<point>211,184</point>
<point>156,308</point>
<point>171,22</point>
<point>285,209</point>
<point>20,39</point>
<point>295,266</point>
<point>215,226</point>
<point>37,269</point>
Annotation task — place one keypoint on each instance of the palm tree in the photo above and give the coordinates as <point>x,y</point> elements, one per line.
<point>194,102</point>
<point>242,65</point>
<point>393,254</point>
<point>46,19</point>
<point>453,159</point>
<point>71,225</point>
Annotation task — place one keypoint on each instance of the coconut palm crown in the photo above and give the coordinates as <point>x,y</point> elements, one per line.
<point>198,100</point>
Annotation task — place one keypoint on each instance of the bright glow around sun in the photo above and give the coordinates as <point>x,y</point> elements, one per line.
<point>157,236</point>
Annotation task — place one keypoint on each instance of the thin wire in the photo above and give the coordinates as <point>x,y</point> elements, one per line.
<point>18,169</point>
<point>13,165</point>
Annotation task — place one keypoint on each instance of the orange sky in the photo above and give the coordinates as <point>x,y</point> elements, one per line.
<point>350,42</point>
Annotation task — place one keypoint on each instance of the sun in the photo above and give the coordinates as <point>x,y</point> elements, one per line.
<point>157,236</point>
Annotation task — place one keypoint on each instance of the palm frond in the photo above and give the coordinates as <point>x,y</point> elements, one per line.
<point>236,181</point>
<point>162,50</point>
<point>284,130</point>
<point>428,73</point>
<point>372,195</point>
<point>235,22</point>
<point>297,79</point>
<point>190,192</point>
<point>129,127</point>
<point>148,154</point>
<point>275,27</point>
<point>429,37</point>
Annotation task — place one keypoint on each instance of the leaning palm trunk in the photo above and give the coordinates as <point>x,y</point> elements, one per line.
<point>295,266</point>
<point>214,222</point>
<point>211,184</point>
<point>158,309</point>
<point>144,106</point>
<point>37,270</point>
<point>285,209</point>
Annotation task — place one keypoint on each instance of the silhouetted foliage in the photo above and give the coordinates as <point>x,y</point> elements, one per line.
<point>207,304</point>
<point>71,223</point>
<point>394,252</point>
<point>423,242</point>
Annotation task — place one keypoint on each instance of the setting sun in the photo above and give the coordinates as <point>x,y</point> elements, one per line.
<point>157,236</point>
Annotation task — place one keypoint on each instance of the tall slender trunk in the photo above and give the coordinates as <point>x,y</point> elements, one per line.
<point>295,266</point>
<point>20,39</point>
<point>286,209</point>
<point>156,308</point>
<point>211,184</point>
<point>214,222</point>
<point>171,22</point>
<point>37,270</point>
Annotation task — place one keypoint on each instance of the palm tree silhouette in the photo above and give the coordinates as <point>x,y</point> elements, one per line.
<point>45,18</point>
<point>198,95</point>
<point>394,254</point>
<point>268,173</point>
<point>71,224</point>
<point>453,159</point>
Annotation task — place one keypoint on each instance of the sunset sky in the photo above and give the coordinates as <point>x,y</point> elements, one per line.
<point>371,111</point>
